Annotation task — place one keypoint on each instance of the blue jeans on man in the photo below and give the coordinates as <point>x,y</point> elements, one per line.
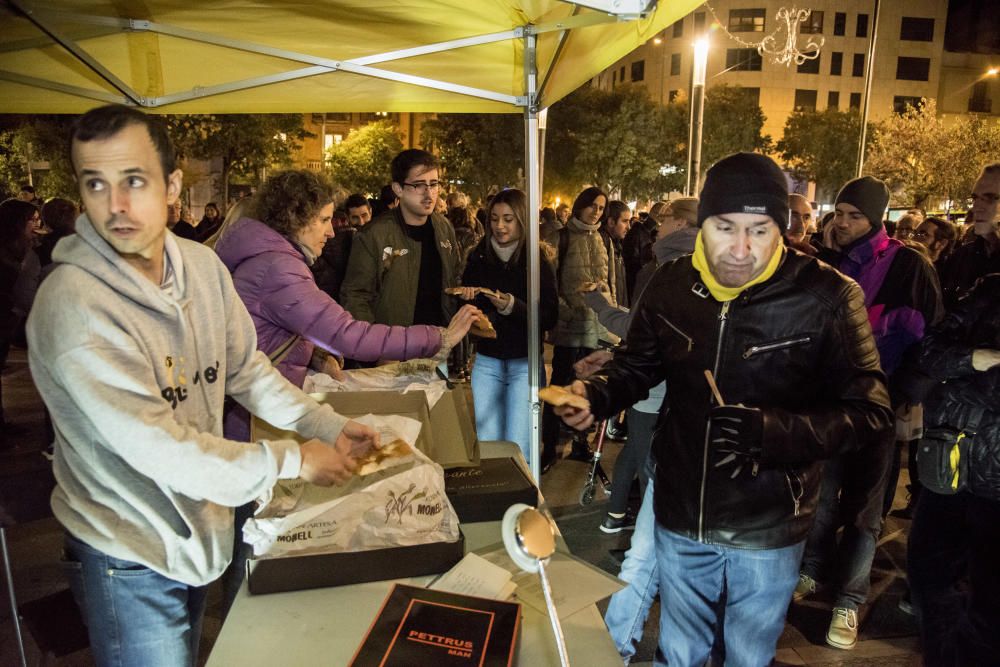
<point>756,585</point>
<point>134,616</point>
<point>851,493</point>
<point>629,608</point>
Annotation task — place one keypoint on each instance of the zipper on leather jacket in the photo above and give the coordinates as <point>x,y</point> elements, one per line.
<point>777,345</point>
<point>796,497</point>
<point>690,341</point>
<point>723,317</point>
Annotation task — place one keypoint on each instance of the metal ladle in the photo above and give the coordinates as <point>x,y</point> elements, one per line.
<point>530,539</point>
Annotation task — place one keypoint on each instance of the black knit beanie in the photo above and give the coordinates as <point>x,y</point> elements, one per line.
<point>867,194</point>
<point>745,183</point>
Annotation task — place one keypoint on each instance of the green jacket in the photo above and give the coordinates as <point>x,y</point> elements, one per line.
<point>384,270</point>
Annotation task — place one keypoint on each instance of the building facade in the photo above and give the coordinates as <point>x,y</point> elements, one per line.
<point>910,60</point>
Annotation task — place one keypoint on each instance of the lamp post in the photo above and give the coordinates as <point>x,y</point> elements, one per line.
<point>869,73</point>
<point>697,115</point>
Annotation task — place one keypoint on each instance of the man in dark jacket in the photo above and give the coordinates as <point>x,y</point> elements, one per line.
<point>955,539</point>
<point>902,297</point>
<point>637,247</point>
<point>737,476</point>
<point>974,260</point>
<point>617,219</point>
<point>401,263</point>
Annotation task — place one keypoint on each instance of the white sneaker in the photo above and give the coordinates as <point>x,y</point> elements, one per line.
<point>807,586</point>
<point>843,632</point>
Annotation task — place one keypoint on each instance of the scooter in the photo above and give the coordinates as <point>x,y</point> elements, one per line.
<point>596,471</point>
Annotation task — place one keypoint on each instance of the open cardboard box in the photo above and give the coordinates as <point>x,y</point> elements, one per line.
<point>448,433</point>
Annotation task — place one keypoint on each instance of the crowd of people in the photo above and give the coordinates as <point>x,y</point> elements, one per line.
<point>773,369</point>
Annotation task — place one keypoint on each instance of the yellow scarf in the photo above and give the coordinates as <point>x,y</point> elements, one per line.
<point>721,292</point>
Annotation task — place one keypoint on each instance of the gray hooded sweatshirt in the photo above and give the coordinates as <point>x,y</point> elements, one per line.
<point>135,378</point>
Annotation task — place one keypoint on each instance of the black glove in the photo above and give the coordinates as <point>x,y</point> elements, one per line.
<point>737,432</point>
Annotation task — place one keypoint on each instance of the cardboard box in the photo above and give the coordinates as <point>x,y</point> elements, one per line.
<point>484,493</point>
<point>296,573</point>
<point>448,433</point>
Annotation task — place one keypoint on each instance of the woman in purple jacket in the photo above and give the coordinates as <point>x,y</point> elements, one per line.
<point>269,254</point>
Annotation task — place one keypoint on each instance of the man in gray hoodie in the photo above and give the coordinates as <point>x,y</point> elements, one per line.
<point>136,338</point>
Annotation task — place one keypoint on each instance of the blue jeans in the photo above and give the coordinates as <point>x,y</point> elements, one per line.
<point>694,577</point>
<point>629,607</point>
<point>134,615</point>
<point>500,393</point>
<point>850,493</point>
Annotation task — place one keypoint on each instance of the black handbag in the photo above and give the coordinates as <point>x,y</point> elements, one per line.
<point>943,456</point>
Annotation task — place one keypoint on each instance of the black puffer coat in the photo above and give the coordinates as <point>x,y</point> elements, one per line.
<point>798,346</point>
<point>960,391</point>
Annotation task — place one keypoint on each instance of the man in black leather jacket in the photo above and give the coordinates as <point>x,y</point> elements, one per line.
<point>954,547</point>
<point>788,343</point>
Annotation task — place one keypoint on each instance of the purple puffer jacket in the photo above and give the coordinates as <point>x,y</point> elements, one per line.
<point>277,287</point>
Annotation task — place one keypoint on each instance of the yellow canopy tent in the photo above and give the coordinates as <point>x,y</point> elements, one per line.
<point>271,56</point>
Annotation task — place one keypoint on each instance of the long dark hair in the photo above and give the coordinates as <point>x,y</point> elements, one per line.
<point>588,197</point>
<point>15,218</point>
<point>518,202</point>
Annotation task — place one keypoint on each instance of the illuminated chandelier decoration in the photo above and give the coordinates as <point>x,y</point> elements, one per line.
<point>789,52</point>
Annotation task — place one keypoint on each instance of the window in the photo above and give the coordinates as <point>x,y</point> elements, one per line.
<point>639,70</point>
<point>699,22</point>
<point>916,30</point>
<point>862,26</point>
<point>743,60</point>
<point>672,95</point>
<point>913,69</point>
<point>855,100</point>
<point>833,99</point>
<point>679,28</point>
<point>836,63</point>
<point>675,64</point>
<point>839,23</point>
<point>979,101</point>
<point>810,66</point>
<point>805,100</point>
<point>621,74</point>
<point>900,103</point>
<point>746,20</point>
<point>750,95</point>
<point>858,68</point>
<point>813,25</point>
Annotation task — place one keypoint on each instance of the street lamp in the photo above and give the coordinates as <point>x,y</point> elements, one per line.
<point>697,115</point>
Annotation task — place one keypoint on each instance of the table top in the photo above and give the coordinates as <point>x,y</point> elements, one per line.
<point>326,625</point>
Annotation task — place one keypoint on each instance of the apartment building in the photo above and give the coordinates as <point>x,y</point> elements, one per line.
<point>910,59</point>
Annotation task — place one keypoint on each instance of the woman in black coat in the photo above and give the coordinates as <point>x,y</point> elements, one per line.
<point>500,387</point>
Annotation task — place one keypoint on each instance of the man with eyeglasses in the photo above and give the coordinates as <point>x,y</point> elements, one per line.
<point>401,262</point>
<point>974,260</point>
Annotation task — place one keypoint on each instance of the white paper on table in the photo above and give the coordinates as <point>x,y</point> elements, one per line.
<point>474,575</point>
<point>575,583</point>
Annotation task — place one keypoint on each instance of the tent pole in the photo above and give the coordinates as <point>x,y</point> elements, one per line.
<point>532,180</point>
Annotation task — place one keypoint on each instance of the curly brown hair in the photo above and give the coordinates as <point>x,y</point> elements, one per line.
<point>290,200</point>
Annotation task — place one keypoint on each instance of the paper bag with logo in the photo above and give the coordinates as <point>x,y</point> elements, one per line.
<point>399,501</point>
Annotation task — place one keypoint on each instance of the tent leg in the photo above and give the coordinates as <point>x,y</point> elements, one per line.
<point>532,181</point>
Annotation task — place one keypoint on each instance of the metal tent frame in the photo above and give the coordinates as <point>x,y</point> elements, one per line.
<point>599,12</point>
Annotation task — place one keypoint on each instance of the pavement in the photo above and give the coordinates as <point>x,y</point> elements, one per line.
<point>887,637</point>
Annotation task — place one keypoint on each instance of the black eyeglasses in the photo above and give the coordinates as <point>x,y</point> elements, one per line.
<point>423,186</point>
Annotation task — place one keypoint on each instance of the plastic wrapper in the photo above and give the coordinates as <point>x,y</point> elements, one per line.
<point>403,376</point>
<point>399,502</point>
